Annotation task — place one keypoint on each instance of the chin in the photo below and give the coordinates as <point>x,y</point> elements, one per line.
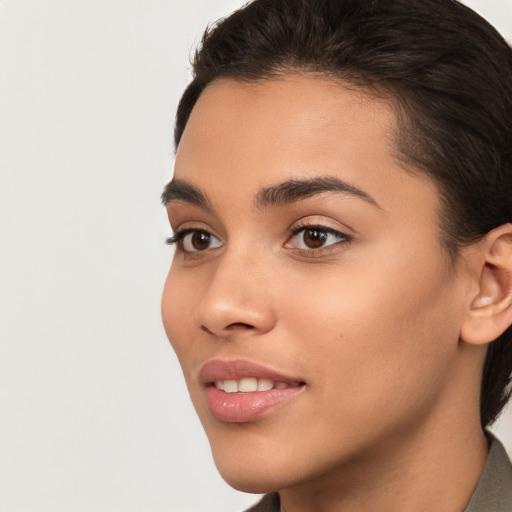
<point>261,470</point>
<point>249,486</point>
<point>251,471</point>
<point>252,482</point>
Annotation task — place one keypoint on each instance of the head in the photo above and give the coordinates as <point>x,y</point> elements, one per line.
<point>409,103</point>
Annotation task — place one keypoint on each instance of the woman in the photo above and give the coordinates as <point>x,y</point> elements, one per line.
<point>340,299</point>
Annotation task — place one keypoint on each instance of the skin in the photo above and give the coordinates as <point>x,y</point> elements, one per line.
<point>371,321</point>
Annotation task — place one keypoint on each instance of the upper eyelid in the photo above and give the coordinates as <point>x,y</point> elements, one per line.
<point>182,231</point>
<point>336,232</point>
<point>188,226</point>
<point>297,226</point>
<point>320,227</point>
<point>181,217</point>
<point>309,223</point>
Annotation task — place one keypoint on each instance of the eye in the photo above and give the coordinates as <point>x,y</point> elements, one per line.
<point>194,240</point>
<point>315,237</point>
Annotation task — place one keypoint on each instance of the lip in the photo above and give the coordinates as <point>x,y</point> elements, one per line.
<point>245,407</point>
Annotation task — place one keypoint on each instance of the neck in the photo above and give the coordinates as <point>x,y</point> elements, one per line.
<point>430,469</point>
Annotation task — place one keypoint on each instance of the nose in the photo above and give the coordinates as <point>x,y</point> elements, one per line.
<point>237,300</point>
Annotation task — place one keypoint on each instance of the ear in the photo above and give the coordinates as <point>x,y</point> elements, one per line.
<point>490,309</point>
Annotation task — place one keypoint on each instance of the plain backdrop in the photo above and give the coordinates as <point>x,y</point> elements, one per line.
<point>94,415</point>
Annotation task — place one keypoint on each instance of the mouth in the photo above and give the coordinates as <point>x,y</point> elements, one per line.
<point>241,392</point>
<point>252,385</point>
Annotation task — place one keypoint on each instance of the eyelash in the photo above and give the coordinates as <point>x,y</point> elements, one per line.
<point>178,236</point>
<point>305,226</point>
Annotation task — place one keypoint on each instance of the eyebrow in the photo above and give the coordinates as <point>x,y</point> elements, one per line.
<point>286,192</point>
<point>178,190</point>
<point>296,190</point>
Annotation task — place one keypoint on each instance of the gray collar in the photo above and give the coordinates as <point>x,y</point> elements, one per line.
<point>494,490</point>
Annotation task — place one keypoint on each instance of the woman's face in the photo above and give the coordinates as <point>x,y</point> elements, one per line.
<point>313,311</point>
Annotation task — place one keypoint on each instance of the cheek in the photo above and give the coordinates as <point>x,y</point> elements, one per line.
<point>375,335</point>
<point>177,298</point>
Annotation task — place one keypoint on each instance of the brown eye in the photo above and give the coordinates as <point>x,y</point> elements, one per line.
<point>199,241</point>
<point>314,238</point>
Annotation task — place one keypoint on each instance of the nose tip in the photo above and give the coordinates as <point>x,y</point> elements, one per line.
<point>227,311</point>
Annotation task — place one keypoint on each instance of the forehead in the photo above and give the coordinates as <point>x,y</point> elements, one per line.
<point>303,113</point>
<point>248,136</point>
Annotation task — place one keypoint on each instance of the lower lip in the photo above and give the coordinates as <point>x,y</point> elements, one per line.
<point>246,407</point>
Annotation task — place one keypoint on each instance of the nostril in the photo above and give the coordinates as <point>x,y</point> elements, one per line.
<point>239,325</point>
<point>235,326</point>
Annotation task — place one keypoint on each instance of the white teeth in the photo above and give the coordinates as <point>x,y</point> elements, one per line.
<point>230,386</point>
<point>249,385</point>
<point>265,384</point>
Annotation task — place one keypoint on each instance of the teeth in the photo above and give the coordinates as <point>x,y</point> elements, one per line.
<point>230,386</point>
<point>265,384</point>
<point>249,385</point>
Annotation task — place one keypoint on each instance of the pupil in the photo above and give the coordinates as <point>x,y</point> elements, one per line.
<point>314,238</point>
<point>200,241</point>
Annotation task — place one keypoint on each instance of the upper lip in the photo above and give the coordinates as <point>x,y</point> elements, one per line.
<point>235,370</point>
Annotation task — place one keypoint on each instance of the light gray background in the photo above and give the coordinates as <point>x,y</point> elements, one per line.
<point>94,415</point>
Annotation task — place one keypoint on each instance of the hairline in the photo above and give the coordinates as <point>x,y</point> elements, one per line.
<point>380,88</point>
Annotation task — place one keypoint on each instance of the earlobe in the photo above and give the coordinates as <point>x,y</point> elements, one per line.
<point>490,310</point>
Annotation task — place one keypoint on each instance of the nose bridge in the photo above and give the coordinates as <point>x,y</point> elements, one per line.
<point>238,298</point>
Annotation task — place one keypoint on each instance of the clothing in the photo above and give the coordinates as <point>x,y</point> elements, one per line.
<point>494,490</point>
<point>492,494</point>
